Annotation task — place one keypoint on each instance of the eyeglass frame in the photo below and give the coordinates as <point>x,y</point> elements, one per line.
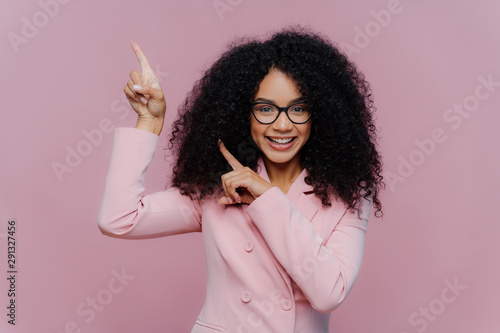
<point>280,109</point>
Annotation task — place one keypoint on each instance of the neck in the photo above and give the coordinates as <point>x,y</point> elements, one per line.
<point>283,174</point>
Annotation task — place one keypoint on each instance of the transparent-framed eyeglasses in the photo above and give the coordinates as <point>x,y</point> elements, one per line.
<point>267,113</point>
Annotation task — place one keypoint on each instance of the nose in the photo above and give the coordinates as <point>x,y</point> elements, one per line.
<point>282,123</point>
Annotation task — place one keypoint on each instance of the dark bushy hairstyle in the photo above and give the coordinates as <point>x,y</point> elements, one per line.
<point>340,154</point>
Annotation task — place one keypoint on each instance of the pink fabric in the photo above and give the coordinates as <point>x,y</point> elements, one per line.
<point>272,266</point>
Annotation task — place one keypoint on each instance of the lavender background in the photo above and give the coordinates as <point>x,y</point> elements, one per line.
<point>63,66</point>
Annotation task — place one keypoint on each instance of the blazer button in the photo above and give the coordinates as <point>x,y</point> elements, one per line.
<point>246,296</point>
<point>248,246</point>
<point>286,304</point>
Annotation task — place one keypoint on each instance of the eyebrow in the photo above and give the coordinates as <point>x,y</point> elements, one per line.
<point>302,98</point>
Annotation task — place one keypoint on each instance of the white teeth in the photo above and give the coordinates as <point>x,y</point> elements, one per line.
<point>282,141</point>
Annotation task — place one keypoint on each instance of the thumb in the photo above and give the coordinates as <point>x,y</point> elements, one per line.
<point>225,201</point>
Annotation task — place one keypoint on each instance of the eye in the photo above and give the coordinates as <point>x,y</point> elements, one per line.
<point>299,108</point>
<point>265,108</point>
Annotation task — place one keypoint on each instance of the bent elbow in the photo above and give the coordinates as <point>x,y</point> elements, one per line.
<point>106,228</point>
<point>327,305</point>
<point>113,227</point>
<point>328,301</point>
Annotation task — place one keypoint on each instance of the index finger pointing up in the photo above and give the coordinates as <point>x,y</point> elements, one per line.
<point>233,162</point>
<point>141,57</point>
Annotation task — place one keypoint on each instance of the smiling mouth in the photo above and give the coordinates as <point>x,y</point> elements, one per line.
<point>281,141</point>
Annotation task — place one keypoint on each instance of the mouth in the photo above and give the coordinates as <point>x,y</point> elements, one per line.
<point>281,143</point>
<point>281,140</point>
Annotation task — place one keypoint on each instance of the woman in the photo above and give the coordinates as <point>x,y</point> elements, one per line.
<point>276,166</point>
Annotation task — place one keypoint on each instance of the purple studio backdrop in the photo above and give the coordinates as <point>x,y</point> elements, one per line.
<point>429,264</point>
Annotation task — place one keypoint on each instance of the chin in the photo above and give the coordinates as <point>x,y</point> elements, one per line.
<point>278,160</point>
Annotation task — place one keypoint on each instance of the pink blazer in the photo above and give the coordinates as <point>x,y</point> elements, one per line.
<point>280,264</point>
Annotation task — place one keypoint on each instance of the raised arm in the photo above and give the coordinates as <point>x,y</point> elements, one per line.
<point>125,211</point>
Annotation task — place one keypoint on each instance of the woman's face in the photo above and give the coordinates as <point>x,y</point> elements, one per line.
<point>282,91</point>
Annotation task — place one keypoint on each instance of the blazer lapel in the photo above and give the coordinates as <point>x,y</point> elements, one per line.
<point>302,195</point>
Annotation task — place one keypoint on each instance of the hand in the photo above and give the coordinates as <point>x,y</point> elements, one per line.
<point>144,91</point>
<point>253,185</point>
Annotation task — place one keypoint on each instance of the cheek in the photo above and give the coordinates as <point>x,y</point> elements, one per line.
<point>256,129</point>
<point>255,136</point>
<point>309,133</point>
<point>306,132</point>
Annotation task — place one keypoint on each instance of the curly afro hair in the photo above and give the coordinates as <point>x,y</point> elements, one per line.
<point>340,154</point>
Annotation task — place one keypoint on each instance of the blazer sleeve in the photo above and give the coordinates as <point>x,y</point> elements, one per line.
<point>324,269</point>
<point>125,211</point>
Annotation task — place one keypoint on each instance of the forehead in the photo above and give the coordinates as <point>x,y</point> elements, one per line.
<point>278,87</point>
